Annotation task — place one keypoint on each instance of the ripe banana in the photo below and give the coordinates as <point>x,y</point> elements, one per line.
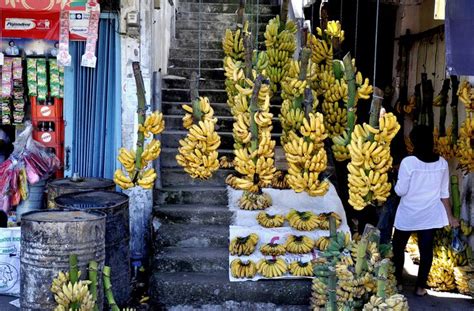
<point>243,245</point>
<point>270,221</point>
<point>271,268</point>
<point>243,269</point>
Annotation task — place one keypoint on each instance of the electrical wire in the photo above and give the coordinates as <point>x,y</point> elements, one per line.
<point>356,29</point>
<point>199,42</point>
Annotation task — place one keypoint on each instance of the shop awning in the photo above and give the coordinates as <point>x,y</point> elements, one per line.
<point>39,19</point>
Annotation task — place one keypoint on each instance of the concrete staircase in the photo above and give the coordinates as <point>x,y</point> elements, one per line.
<point>191,218</point>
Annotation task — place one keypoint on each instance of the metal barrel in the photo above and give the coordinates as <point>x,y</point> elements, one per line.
<point>117,232</point>
<point>48,238</point>
<point>35,200</point>
<point>67,185</point>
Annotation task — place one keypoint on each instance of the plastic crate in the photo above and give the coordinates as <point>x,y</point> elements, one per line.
<point>40,112</point>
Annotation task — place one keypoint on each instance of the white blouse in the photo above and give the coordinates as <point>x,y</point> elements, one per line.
<point>421,187</point>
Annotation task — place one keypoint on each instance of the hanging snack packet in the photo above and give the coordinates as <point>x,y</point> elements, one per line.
<point>31,77</point>
<point>42,79</point>
<point>54,78</point>
<point>17,69</point>
<point>61,81</point>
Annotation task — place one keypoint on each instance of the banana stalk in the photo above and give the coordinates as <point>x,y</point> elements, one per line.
<point>194,95</point>
<point>141,111</point>
<point>455,196</point>
<point>253,109</point>
<point>240,14</point>
<point>93,267</point>
<point>305,56</point>
<point>442,110</point>
<point>332,285</point>
<point>284,13</point>
<point>248,54</point>
<point>454,108</point>
<point>349,76</point>
<point>108,290</point>
<point>361,260</point>
<point>382,279</point>
<point>375,110</point>
<point>73,276</point>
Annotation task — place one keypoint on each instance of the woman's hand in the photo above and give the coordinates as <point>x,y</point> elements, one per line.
<point>453,222</point>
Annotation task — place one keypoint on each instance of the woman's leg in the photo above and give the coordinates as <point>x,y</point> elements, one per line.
<point>399,242</point>
<point>425,244</point>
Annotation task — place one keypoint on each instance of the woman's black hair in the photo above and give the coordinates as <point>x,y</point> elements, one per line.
<point>422,138</point>
<point>11,41</point>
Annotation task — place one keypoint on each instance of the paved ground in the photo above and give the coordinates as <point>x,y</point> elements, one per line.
<point>433,301</point>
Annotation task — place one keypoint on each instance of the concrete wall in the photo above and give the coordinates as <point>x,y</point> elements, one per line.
<point>163,31</point>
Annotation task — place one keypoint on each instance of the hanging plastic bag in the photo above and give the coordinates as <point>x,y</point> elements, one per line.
<point>457,244</point>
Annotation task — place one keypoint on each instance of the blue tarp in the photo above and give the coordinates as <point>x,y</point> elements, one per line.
<point>459,29</point>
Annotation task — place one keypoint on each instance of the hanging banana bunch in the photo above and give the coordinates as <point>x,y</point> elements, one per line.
<point>300,76</point>
<point>370,161</point>
<point>253,147</point>
<point>139,174</point>
<point>280,42</point>
<point>233,43</point>
<point>307,157</point>
<point>66,294</point>
<point>465,145</point>
<point>466,96</point>
<point>198,152</point>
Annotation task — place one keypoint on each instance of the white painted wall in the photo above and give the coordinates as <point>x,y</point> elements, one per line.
<point>163,31</point>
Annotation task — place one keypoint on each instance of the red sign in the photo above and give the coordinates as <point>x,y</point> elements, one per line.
<point>38,19</point>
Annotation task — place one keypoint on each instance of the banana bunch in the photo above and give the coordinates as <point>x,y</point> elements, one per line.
<point>198,152</point>
<point>270,221</point>
<point>154,124</point>
<point>260,61</point>
<point>324,220</point>
<point>299,244</point>
<point>233,43</point>
<point>151,152</point>
<point>462,275</point>
<point>364,89</point>
<point>122,180</point>
<point>319,291</point>
<point>303,221</point>
<point>335,118</point>
<point>293,87</point>
<point>322,51</point>
<point>204,108</point>
<point>409,144</point>
<point>291,119</point>
<point>351,287</point>
<point>395,302</point>
<point>127,159</point>
<point>252,200</point>
<point>339,147</point>
<point>280,42</point>
<point>146,179</point>
<point>441,277</point>
<point>465,145</point>
<point>466,228</point>
<point>279,181</point>
<point>307,157</point>
<point>333,30</point>
<point>444,145</point>
<point>412,249</point>
<point>271,268</point>
<point>233,70</point>
<point>225,162</point>
<point>466,96</point>
<point>370,162</point>
<point>299,268</point>
<point>243,269</point>
<point>322,243</point>
<point>445,253</point>
<point>243,245</point>
<point>65,294</point>
<point>273,249</point>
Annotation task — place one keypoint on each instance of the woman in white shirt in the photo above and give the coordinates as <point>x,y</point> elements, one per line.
<point>423,185</point>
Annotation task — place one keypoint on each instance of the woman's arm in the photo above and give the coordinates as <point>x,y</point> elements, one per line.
<point>403,182</point>
<point>453,222</point>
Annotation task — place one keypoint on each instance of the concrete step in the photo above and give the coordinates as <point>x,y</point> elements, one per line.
<point>178,177</point>
<point>174,82</point>
<point>220,109</point>
<point>190,235</point>
<point>175,108</point>
<point>217,35</point>
<point>194,53</point>
<point>205,44</point>
<point>207,288</point>
<point>191,195</point>
<point>224,123</point>
<point>170,138</point>
<point>168,156</point>
<point>194,63</point>
<point>193,214</point>
<point>211,26</point>
<point>220,17</point>
<point>180,95</point>
<point>176,259</point>
<point>226,8</point>
<point>206,73</point>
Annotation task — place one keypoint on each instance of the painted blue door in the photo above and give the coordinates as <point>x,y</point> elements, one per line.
<point>92,106</point>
